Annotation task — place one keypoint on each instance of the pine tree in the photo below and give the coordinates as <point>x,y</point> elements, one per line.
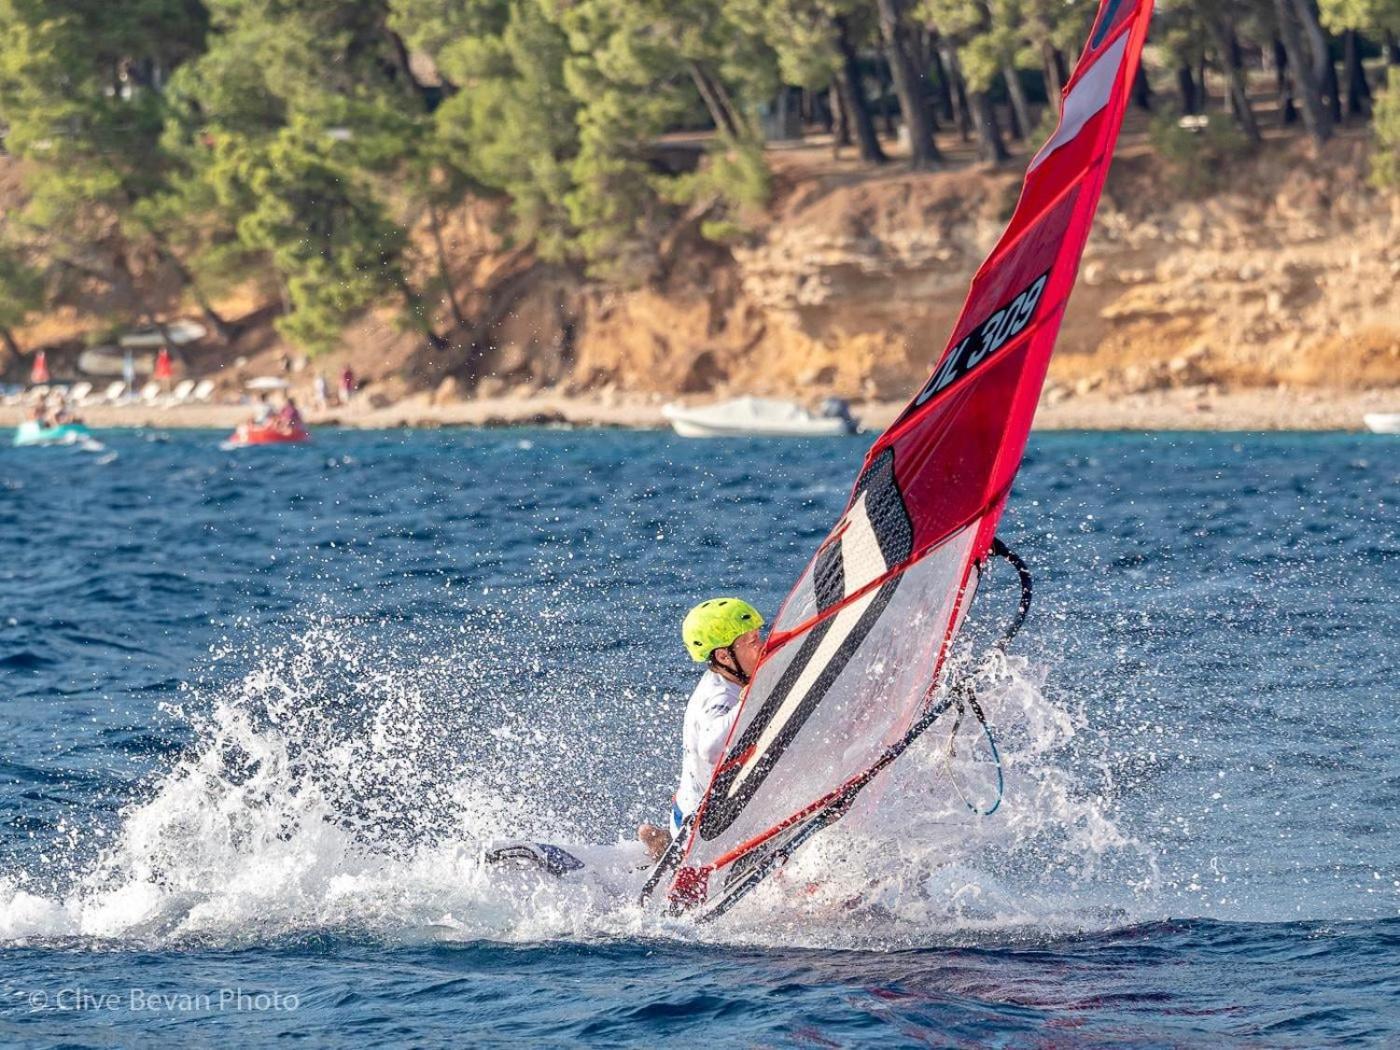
<point>964,24</point>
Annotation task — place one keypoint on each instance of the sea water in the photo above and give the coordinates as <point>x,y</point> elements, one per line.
<point>260,712</point>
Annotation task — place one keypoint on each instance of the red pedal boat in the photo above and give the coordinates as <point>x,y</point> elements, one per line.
<point>249,435</point>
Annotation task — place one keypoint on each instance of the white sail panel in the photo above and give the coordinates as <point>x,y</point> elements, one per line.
<point>825,705</point>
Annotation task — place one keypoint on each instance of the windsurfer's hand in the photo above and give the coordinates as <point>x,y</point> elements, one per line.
<point>654,839</point>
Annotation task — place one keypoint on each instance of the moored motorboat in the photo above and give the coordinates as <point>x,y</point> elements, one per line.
<point>761,417</point>
<point>1382,422</point>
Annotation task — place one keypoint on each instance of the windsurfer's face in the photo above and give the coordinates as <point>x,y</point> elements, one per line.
<point>746,649</point>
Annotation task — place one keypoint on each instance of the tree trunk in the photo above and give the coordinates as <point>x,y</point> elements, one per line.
<point>1314,37</point>
<point>1358,88</point>
<point>944,87</point>
<point>1186,85</point>
<point>1332,90</point>
<point>1142,90</point>
<point>1287,109</point>
<point>1222,34</point>
<point>221,325</point>
<point>924,57</point>
<point>908,86</point>
<point>840,123</point>
<point>822,114</point>
<point>216,321</point>
<point>721,117</point>
<point>853,95</point>
<point>1392,49</point>
<point>959,88</point>
<point>1054,81</point>
<point>7,339</point>
<point>1324,69</point>
<point>444,271</point>
<point>1020,105</point>
<point>417,308</point>
<point>1315,115</point>
<point>737,118</point>
<point>428,96</point>
<point>989,144</point>
<point>886,111</point>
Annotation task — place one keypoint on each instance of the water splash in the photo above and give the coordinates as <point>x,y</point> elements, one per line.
<point>913,864</point>
<point>351,775</point>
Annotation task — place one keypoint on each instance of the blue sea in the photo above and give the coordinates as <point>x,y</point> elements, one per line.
<point>261,711</point>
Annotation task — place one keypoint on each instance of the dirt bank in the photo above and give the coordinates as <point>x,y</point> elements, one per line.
<point>850,282</point>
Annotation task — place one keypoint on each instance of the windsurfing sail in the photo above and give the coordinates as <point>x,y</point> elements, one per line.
<point>858,647</point>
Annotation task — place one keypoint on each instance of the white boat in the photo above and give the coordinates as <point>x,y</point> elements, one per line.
<point>761,417</point>
<point>1382,422</point>
<point>178,332</point>
<point>103,361</point>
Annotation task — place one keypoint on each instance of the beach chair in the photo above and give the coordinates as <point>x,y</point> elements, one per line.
<point>114,391</point>
<point>181,393</point>
<point>38,393</point>
<point>204,390</point>
<point>150,392</point>
<point>79,392</point>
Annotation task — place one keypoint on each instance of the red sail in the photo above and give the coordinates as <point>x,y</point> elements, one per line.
<point>864,633</point>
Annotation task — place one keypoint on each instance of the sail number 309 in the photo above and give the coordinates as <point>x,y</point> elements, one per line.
<point>986,339</point>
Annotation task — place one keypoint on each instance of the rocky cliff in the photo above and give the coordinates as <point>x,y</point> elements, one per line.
<point>854,285</point>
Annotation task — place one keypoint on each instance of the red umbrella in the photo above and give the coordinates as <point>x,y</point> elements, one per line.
<point>163,369</point>
<point>39,374</point>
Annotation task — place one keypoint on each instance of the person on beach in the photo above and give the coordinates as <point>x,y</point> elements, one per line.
<point>347,385</point>
<point>322,391</point>
<point>723,634</point>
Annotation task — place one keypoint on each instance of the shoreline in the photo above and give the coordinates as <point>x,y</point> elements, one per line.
<point>1185,408</point>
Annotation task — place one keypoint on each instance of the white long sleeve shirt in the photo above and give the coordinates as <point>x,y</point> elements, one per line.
<point>709,715</point>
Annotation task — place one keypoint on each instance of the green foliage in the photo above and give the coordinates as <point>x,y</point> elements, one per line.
<point>1199,159</point>
<point>1181,34</point>
<point>734,181</point>
<point>799,33</point>
<point>1367,16</point>
<point>1385,160</point>
<point>513,126</point>
<point>300,201</point>
<point>299,142</point>
<point>21,287</point>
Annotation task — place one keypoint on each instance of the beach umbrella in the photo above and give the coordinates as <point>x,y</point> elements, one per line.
<point>129,370</point>
<point>163,369</point>
<point>39,374</point>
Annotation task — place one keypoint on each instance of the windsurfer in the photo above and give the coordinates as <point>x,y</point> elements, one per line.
<point>722,633</point>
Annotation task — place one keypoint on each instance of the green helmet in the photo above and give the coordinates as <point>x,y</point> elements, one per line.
<point>716,623</point>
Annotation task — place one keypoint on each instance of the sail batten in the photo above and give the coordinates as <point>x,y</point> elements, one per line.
<point>860,643</point>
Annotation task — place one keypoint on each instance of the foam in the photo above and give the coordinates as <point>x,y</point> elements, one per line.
<point>329,789</point>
